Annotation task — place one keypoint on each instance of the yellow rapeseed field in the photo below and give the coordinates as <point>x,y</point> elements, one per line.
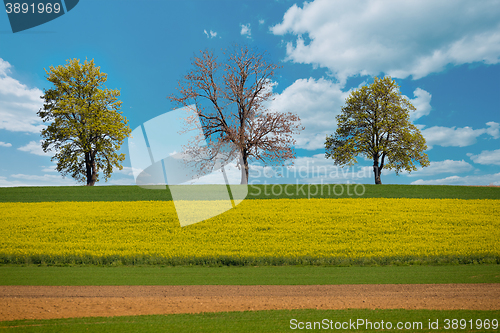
<point>256,228</point>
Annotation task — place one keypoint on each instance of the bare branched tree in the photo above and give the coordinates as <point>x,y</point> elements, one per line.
<point>230,100</point>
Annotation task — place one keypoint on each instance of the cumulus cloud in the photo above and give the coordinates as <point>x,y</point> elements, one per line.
<point>456,137</point>
<point>210,34</point>
<point>486,157</point>
<point>36,180</point>
<point>316,102</point>
<point>245,30</point>
<point>398,38</point>
<point>4,67</point>
<point>491,179</point>
<point>5,144</point>
<point>7,183</point>
<point>18,103</point>
<point>52,180</point>
<point>34,147</point>
<point>422,102</point>
<point>446,166</point>
<point>493,129</point>
<point>51,168</point>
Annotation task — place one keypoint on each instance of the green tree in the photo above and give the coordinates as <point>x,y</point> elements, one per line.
<point>86,126</point>
<point>375,123</point>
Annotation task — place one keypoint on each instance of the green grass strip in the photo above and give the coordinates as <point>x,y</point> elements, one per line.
<point>279,275</point>
<point>273,321</point>
<point>292,191</point>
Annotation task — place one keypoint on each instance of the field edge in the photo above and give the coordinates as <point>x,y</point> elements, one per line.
<point>117,260</point>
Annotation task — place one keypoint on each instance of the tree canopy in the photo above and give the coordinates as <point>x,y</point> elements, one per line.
<point>230,99</point>
<point>86,127</point>
<point>375,123</point>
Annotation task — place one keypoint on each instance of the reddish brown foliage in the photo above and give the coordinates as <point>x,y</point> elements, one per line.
<point>230,100</point>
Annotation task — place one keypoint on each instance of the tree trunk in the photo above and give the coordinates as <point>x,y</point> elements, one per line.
<point>244,169</point>
<point>94,173</point>
<point>91,171</point>
<point>376,170</point>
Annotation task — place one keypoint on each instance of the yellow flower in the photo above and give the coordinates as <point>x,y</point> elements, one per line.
<point>354,228</point>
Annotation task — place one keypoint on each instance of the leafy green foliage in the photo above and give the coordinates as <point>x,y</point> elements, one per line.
<point>86,126</point>
<point>375,123</point>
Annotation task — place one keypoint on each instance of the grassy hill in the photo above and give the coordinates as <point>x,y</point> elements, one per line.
<point>291,191</point>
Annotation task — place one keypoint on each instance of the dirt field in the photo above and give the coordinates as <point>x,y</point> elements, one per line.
<point>44,302</point>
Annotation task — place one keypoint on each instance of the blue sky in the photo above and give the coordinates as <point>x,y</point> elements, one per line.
<point>445,55</point>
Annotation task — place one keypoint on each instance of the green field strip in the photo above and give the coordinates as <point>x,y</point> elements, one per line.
<point>270,321</point>
<point>278,275</point>
<point>292,191</point>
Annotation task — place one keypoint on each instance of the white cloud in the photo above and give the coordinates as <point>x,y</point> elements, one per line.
<point>486,157</point>
<point>49,169</point>
<point>456,137</point>
<point>36,180</point>
<point>35,177</point>
<point>4,67</point>
<point>316,102</point>
<point>18,103</point>
<point>34,148</point>
<point>261,21</point>
<point>245,30</point>
<point>210,34</point>
<point>493,129</point>
<point>399,38</point>
<point>4,182</point>
<point>5,144</point>
<point>446,166</point>
<point>58,180</point>
<point>491,179</point>
<point>422,102</point>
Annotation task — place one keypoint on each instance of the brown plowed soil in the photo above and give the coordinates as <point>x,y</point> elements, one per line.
<point>44,302</point>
